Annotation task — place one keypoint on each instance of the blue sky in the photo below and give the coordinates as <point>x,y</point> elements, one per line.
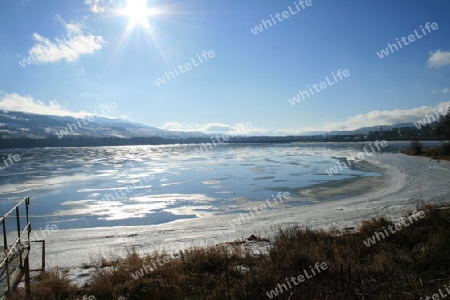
<point>102,57</point>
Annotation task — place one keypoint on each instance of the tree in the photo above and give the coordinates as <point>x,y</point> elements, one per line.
<point>443,126</point>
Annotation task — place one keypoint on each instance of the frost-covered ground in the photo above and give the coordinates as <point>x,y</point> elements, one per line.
<point>405,181</point>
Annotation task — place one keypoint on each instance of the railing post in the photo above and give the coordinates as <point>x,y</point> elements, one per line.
<point>5,242</point>
<point>43,255</point>
<point>18,221</point>
<point>24,263</point>
<point>18,234</point>
<point>5,246</point>
<point>27,204</point>
<point>27,278</point>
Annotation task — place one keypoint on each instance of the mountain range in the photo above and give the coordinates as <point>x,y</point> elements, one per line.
<point>20,125</point>
<point>15,125</point>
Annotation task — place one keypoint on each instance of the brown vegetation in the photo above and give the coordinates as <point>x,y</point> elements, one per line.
<point>409,264</point>
<point>442,153</point>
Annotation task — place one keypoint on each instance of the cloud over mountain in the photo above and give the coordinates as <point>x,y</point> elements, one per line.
<point>384,117</point>
<point>16,102</point>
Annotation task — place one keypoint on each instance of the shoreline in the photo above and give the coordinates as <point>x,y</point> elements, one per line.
<point>350,187</point>
<point>402,184</point>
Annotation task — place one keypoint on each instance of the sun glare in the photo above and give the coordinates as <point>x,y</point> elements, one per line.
<point>140,16</point>
<point>138,12</point>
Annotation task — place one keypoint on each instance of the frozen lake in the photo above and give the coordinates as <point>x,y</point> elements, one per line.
<point>149,185</point>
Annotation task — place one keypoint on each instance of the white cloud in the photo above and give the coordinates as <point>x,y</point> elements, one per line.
<point>68,48</point>
<point>241,128</point>
<point>183,126</point>
<point>98,6</point>
<point>384,117</point>
<point>438,59</point>
<point>443,91</point>
<point>373,118</point>
<point>27,104</point>
<point>16,102</point>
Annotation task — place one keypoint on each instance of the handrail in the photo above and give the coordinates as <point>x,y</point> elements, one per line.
<point>18,242</point>
<point>18,204</point>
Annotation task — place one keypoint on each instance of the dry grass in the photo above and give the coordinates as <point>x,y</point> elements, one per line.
<point>442,153</point>
<point>409,264</point>
<point>53,284</point>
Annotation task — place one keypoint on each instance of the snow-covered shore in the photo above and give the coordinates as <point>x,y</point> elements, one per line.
<point>405,181</point>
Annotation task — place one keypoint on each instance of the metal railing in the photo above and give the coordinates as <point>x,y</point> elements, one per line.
<point>42,269</point>
<point>10,253</point>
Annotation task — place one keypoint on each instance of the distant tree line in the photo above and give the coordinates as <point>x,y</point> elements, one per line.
<point>114,141</point>
<point>439,130</point>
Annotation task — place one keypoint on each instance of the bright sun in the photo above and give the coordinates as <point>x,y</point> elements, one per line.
<point>138,12</point>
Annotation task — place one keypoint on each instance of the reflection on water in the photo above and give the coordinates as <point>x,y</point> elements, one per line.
<point>143,185</point>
